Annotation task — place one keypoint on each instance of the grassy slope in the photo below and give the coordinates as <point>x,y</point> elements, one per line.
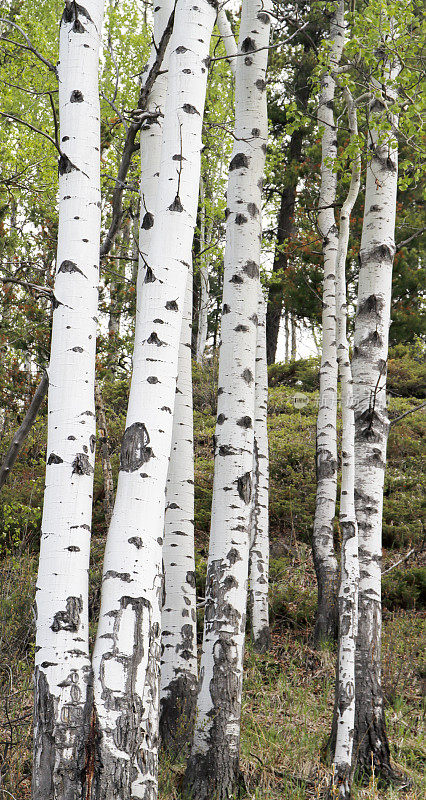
<point>288,694</point>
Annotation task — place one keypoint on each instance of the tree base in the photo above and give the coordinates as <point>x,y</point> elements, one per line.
<point>177,715</point>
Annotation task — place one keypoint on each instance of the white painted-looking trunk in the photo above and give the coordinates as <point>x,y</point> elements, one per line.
<point>204,283</point>
<point>349,567</point>
<point>62,665</point>
<point>127,651</point>
<point>326,458</point>
<point>371,421</point>
<point>259,544</point>
<point>225,30</point>
<point>179,618</point>
<point>151,137</point>
<point>213,765</point>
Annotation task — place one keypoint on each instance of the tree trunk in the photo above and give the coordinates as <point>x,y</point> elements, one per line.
<point>349,567</point>
<point>293,337</point>
<point>371,425</point>
<point>259,545</point>
<point>179,618</point>
<point>214,763</point>
<point>285,229</point>
<point>326,457</point>
<point>21,434</point>
<point>287,337</point>
<point>105,457</point>
<point>127,650</point>
<point>204,282</point>
<point>62,667</point>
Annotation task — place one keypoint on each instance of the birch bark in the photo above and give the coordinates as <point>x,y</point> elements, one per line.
<point>259,545</point>
<point>62,667</point>
<point>213,766</point>
<point>349,567</point>
<point>179,616</point>
<point>371,421</point>
<point>127,650</point>
<point>326,459</point>
<point>204,283</point>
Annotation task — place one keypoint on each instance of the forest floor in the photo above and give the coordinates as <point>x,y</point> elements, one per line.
<point>288,693</point>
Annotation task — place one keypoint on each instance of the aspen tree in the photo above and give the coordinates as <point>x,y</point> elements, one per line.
<point>259,544</point>
<point>326,459</point>
<point>127,650</point>
<point>179,618</point>
<point>349,567</point>
<point>369,366</point>
<point>62,666</point>
<point>213,766</point>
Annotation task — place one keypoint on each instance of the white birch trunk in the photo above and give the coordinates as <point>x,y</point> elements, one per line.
<point>62,666</point>
<point>371,421</point>
<point>349,567</point>
<point>326,457</point>
<point>225,30</point>
<point>213,765</point>
<point>204,284</point>
<point>127,650</point>
<point>259,545</point>
<point>179,617</point>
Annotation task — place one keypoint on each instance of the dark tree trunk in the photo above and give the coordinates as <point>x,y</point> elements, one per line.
<point>288,199</point>
<point>21,434</point>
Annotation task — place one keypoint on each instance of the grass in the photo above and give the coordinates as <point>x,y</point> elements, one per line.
<point>287,699</point>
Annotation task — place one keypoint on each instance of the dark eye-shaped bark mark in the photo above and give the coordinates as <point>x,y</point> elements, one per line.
<point>81,465</point>
<point>240,219</point>
<point>149,276</point>
<point>239,161</point>
<point>244,486</point>
<point>190,109</point>
<point>148,221</point>
<point>245,422</point>
<point>54,459</point>
<point>65,165</point>
<point>176,205</point>
<point>135,449</point>
<point>76,96</point>
<point>68,620</point>
<point>69,267</point>
<point>251,269</point>
<point>248,45</point>
<point>154,339</point>
<point>172,305</point>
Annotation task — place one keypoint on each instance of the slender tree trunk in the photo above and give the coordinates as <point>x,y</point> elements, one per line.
<point>204,282</point>
<point>349,567</point>
<point>285,229</point>
<point>287,337</point>
<point>127,651</point>
<point>21,434</point>
<point>326,457</point>
<point>259,545</point>
<point>293,337</point>
<point>214,763</point>
<point>228,37</point>
<point>372,425</point>
<point>105,457</point>
<point>62,667</point>
<point>179,618</point>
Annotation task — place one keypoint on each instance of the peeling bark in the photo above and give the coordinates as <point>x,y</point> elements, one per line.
<point>322,541</point>
<point>214,762</point>
<point>62,666</point>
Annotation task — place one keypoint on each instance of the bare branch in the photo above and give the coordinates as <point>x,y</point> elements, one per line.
<point>29,46</point>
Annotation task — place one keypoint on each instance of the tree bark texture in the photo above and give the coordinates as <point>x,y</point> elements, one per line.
<point>127,650</point>
<point>105,456</point>
<point>179,618</point>
<point>349,567</point>
<point>326,456</point>
<point>63,677</point>
<point>259,544</point>
<point>214,763</point>
<point>371,421</point>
